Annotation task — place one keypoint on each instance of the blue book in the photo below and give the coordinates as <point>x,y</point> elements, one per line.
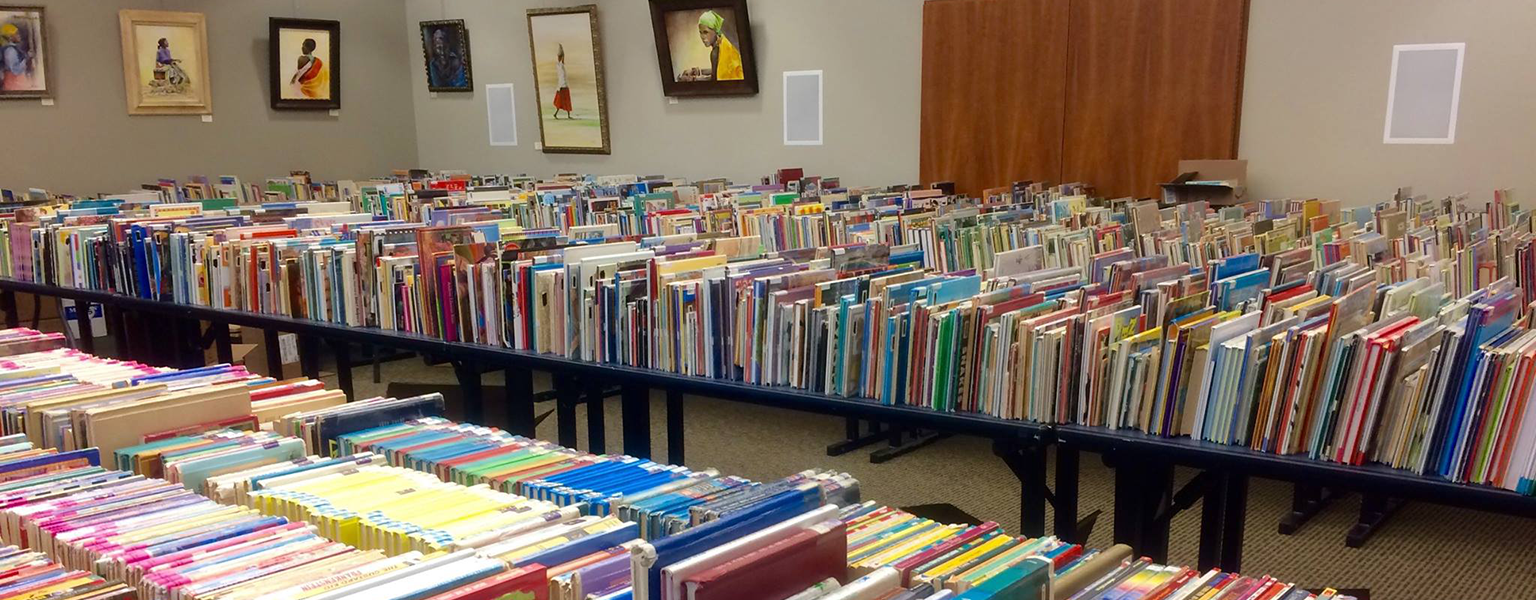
<point>20,468</point>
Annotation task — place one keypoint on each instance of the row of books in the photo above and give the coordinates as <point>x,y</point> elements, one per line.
<point>1245,326</point>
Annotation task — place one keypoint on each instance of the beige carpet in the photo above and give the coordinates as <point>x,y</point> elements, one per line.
<point>1426,551</point>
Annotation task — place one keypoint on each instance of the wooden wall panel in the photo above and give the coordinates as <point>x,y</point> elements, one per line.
<point>993,91</point>
<point>1150,82</point>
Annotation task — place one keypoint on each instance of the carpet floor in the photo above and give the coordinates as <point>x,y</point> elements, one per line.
<point>1424,551</point>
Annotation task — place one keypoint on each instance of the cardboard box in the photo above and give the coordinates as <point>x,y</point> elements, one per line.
<point>252,352</point>
<point>27,304</point>
<point>46,310</point>
<point>1218,182</point>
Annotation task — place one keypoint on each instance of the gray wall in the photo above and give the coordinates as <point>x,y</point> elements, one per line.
<point>1315,98</point>
<point>88,143</point>
<point>869,50</point>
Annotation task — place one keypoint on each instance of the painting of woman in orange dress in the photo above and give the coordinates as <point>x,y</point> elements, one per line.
<point>311,76</point>
<point>306,64</point>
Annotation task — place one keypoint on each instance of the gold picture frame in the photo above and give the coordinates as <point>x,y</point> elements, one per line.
<point>549,30</point>
<point>165,62</point>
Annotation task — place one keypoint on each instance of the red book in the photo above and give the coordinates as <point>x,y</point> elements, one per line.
<point>286,389</point>
<point>1066,557</point>
<point>778,570</point>
<point>445,468</point>
<point>527,582</point>
<point>243,423</point>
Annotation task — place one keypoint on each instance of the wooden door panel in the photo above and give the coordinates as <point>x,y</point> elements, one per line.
<point>993,91</point>
<point>1150,82</point>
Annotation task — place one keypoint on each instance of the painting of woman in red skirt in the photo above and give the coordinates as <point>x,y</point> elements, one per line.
<point>568,79</point>
<point>562,97</point>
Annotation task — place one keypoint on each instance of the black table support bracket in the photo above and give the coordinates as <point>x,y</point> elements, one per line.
<point>635,410</point>
<point>343,353</point>
<point>1234,520</point>
<point>86,338</point>
<point>1064,497</point>
<point>520,401</point>
<point>116,329</point>
<point>8,304</point>
<point>1143,488</point>
<point>223,349</point>
<point>1306,501</point>
<point>854,437</point>
<point>309,356</point>
<point>468,374</point>
<point>274,353</point>
<point>566,397</point>
<point>675,427</point>
<point>1026,458</point>
<point>899,444</point>
<point>1223,512</point>
<point>1376,511</point>
<point>597,417</point>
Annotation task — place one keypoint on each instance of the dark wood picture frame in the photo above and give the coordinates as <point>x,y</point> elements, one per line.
<point>597,62</point>
<point>426,54</point>
<point>746,86</point>
<point>44,48</point>
<point>276,70</point>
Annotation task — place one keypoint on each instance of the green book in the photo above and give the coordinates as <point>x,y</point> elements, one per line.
<point>218,203</point>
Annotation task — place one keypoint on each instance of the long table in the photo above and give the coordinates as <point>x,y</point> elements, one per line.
<point>1145,498</point>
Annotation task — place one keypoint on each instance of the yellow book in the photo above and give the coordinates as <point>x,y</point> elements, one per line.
<point>685,265</point>
<point>908,547</point>
<point>890,540</point>
<point>878,527</point>
<point>56,588</point>
<point>950,565</point>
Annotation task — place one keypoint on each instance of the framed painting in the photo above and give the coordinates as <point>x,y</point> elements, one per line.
<point>704,47</point>
<point>304,57</point>
<point>23,53</point>
<point>568,80</point>
<point>445,46</point>
<point>165,62</point>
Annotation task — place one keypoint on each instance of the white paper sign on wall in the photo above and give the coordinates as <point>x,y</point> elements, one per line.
<point>1423,93</point>
<point>501,114</point>
<point>802,108</point>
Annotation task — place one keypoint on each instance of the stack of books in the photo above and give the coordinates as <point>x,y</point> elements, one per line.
<point>25,574</point>
<point>23,341</point>
<point>68,400</point>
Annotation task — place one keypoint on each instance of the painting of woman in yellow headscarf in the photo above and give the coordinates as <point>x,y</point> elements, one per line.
<point>23,60</point>
<point>704,46</point>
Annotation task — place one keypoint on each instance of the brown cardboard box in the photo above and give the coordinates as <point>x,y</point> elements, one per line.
<point>45,308</point>
<point>28,303</point>
<point>1232,189</point>
<point>253,351</point>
